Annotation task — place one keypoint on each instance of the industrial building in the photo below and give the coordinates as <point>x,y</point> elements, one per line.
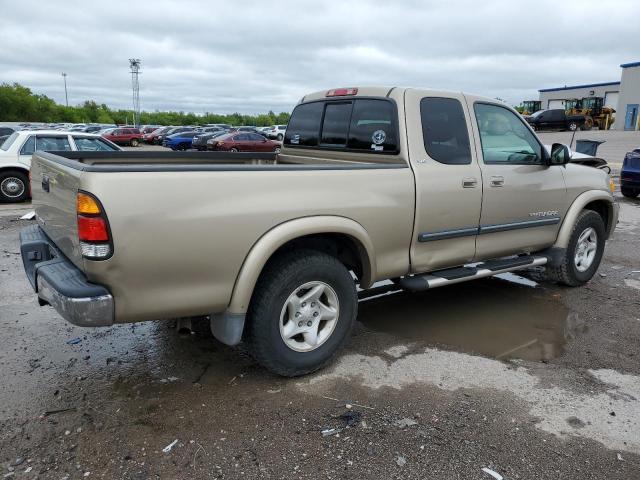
<point>623,96</point>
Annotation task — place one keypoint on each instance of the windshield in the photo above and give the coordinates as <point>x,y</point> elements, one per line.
<point>537,114</point>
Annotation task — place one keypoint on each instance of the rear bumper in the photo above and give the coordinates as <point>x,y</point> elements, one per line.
<point>61,284</point>
<point>630,179</point>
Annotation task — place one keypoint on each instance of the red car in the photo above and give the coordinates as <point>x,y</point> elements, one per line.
<point>243,142</point>
<point>124,136</point>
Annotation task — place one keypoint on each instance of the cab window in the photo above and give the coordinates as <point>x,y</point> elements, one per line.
<point>52,143</point>
<point>29,146</point>
<point>444,130</point>
<point>504,137</point>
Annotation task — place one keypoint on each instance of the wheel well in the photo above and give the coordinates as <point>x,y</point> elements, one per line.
<point>343,247</point>
<point>601,207</point>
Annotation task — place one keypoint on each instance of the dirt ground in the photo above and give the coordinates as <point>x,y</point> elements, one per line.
<point>529,380</point>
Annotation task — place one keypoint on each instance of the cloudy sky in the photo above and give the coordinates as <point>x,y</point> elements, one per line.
<point>226,56</point>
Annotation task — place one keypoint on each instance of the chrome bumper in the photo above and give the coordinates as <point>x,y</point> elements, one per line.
<point>61,284</point>
<point>84,311</point>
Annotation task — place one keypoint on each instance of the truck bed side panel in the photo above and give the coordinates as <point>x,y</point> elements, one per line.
<point>180,238</point>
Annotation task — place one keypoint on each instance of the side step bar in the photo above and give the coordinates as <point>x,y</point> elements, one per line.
<point>450,276</point>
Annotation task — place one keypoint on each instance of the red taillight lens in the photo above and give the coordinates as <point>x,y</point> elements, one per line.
<point>92,229</point>
<point>341,92</point>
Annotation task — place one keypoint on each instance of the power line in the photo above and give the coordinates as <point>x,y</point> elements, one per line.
<point>134,64</point>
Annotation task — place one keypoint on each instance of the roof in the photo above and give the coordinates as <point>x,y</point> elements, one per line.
<point>574,87</point>
<point>629,65</point>
<point>57,132</point>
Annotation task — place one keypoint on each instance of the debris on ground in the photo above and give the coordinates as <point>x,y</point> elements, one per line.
<point>327,432</point>
<point>29,215</point>
<point>401,461</point>
<point>405,422</point>
<point>495,475</point>
<point>351,418</point>
<point>168,448</point>
<point>74,341</point>
<point>619,457</point>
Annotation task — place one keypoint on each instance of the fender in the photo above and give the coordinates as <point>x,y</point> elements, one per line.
<point>265,247</point>
<point>4,165</point>
<point>562,241</point>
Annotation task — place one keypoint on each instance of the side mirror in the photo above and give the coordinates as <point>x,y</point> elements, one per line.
<point>559,154</point>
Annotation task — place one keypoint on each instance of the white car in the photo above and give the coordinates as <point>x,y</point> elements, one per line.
<point>16,151</point>
<point>276,132</point>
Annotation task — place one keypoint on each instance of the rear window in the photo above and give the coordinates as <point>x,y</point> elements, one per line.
<point>9,141</point>
<point>368,125</point>
<point>444,130</point>
<point>88,144</point>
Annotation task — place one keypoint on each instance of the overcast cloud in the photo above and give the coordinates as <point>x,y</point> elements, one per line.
<point>256,56</point>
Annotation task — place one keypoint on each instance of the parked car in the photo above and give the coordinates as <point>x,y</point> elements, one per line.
<point>144,129</point>
<point>124,136</point>
<point>277,132</point>
<point>179,141</point>
<point>554,119</point>
<point>200,140</point>
<point>93,128</point>
<point>6,131</point>
<point>243,142</point>
<point>158,139</point>
<point>17,149</point>
<point>152,136</point>
<point>630,174</point>
<point>407,184</point>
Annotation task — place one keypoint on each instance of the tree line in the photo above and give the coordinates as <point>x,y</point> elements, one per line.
<point>20,104</point>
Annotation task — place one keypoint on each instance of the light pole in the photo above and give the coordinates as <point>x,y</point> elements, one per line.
<point>134,64</point>
<point>66,97</point>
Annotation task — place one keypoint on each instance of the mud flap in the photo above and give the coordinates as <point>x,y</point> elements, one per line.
<point>228,327</point>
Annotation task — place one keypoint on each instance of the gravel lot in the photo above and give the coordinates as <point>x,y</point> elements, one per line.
<point>530,380</point>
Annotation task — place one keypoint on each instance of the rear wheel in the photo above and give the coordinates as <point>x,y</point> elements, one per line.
<point>573,126</point>
<point>280,137</point>
<point>629,192</point>
<point>134,142</point>
<point>14,186</point>
<point>584,252</point>
<point>302,311</point>
<point>233,149</point>
<point>276,150</point>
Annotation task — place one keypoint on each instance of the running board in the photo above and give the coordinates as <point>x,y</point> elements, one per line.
<point>474,271</point>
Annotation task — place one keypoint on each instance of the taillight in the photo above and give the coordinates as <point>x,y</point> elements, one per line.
<point>93,228</point>
<point>341,92</point>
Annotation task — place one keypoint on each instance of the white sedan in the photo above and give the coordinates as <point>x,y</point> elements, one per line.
<point>16,151</point>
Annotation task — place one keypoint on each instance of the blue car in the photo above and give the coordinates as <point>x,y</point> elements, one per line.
<point>630,174</point>
<point>179,141</point>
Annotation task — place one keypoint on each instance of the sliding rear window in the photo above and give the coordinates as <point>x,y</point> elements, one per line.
<point>364,125</point>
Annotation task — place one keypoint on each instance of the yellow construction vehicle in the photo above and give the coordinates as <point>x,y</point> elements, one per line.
<point>596,114</point>
<point>531,106</point>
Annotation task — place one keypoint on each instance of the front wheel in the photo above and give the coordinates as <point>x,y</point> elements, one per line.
<point>583,253</point>
<point>573,126</point>
<point>302,311</point>
<point>134,142</point>
<point>276,150</point>
<point>14,186</point>
<point>280,137</point>
<point>234,149</point>
<point>629,192</point>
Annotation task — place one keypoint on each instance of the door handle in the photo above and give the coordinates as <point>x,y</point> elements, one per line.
<point>497,181</point>
<point>469,182</point>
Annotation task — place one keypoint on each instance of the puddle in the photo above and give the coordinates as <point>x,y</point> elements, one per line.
<point>493,317</point>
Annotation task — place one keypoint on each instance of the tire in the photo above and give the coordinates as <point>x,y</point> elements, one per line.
<point>573,126</point>
<point>280,137</point>
<point>14,186</point>
<point>276,150</point>
<point>233,149</point>
<point>569,272</point>
<point>629,192</point>
<point>292,276</point>
<point>134,142</point>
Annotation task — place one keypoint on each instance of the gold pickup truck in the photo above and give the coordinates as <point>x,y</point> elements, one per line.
<point>425,188</point>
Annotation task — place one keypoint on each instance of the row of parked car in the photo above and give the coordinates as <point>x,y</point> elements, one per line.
<point>219,137</point>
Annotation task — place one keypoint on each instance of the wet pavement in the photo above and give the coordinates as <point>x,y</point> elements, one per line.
<point>528,379</point>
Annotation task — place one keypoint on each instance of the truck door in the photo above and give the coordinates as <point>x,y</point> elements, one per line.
<point>524,198</point>
<point>448,180</point>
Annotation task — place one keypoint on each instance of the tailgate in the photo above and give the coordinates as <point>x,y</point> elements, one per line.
<point>54,187</point>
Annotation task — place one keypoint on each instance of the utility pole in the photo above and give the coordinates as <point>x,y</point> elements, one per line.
<point>134,64</point>
<point>66,97</point>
